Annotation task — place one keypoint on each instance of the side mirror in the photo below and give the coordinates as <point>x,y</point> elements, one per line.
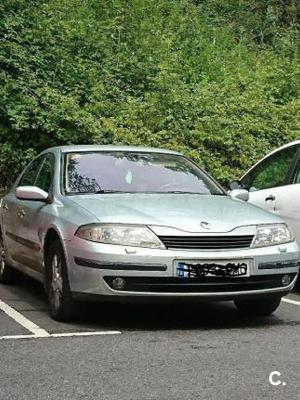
<point>241,194</point>
<point>31,193</point>
<point>235,185</point>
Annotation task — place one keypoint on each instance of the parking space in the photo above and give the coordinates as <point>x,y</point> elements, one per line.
<point>24,306</point>
<point>9,326</point>
<point>146,352</point>
<point>27,301</point>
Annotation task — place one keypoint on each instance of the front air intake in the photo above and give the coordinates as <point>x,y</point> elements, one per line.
<point>207,242</point>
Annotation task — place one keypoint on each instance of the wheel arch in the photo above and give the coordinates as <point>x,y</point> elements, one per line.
<point>51,235</point>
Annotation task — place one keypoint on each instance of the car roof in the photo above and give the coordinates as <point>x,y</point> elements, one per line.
<point>283,147</point>
<point>89,148</point>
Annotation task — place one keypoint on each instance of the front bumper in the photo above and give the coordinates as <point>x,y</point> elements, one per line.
<point>152,272</point>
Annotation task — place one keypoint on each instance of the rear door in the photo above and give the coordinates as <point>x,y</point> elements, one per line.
<point>270,186</point>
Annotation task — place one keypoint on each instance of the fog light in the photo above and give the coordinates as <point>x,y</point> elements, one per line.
<point>286,279</point>
<point>118,283</point>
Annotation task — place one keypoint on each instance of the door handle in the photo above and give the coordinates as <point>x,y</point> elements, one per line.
<point>21,213</point>
<point>271,197</point>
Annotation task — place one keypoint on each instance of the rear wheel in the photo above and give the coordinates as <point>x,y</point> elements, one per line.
<point>7,273</point>
<point>57,283</point>
<point>258,307</point>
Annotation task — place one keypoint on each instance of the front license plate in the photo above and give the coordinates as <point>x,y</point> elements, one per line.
<point>222,269</point>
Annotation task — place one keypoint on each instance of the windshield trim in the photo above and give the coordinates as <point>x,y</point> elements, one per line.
<point>64,173</point>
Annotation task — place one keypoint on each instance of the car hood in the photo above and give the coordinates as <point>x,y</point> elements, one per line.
<point>180,211</point>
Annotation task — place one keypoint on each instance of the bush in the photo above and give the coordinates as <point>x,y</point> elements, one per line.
<point>217,80</point>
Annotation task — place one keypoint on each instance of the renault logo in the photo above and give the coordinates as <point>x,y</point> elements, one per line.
<point>205,225</point>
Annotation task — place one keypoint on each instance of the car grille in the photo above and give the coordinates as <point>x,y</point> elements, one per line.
<point>207,242</point>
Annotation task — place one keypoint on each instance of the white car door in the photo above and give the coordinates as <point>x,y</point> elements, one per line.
<point>13,215</point>
<point>287,203</point>
<point>271,186</point>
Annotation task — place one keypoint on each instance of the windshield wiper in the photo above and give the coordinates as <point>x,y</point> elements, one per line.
<point>99,192</point>
<point>103,191</point>
<point>108,191</point>
<point>202,194</point>
<point>183,192</point>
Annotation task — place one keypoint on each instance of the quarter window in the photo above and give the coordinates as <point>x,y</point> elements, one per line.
<point>296,176</point>
<point>29,177</point>
<point>271,172</point>
<point>44,178</point>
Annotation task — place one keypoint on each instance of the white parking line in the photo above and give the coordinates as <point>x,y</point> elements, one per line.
<point>92,333</point>
<point>59,335</point>
<point>25,322</point>
<point>20,337</point>
<point>37,332</point>
<point>290,301</point>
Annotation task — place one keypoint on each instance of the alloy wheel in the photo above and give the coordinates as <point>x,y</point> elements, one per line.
<point>56,285</point>
<point>2,257</point>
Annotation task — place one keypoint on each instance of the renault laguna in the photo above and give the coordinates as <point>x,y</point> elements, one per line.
<point>132,223</point>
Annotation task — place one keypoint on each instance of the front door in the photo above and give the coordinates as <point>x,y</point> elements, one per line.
<point>33,215</point>
<point>270,187</point>
<point>13,217</point>
<point>288,204</point>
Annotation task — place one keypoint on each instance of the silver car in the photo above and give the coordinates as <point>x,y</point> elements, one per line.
<point>136,223</point>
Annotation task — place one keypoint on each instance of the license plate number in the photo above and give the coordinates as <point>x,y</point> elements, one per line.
<point>222,269</point>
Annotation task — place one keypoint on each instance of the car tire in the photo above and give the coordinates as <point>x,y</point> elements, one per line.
<point>60,300</point>
<point>297,285</point>
<point>7,273</point>
<point>258,307</point>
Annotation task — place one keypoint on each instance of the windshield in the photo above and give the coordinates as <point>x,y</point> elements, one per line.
<point>133,172</point>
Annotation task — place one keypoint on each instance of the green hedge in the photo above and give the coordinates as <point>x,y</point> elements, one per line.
<point>216,79</point>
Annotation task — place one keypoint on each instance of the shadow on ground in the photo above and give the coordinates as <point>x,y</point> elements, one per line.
<point>142,316</point>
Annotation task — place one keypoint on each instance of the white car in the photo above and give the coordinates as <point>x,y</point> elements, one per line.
<point>274,184</point>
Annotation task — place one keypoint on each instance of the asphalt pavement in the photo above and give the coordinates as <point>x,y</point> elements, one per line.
<point>143,352</point>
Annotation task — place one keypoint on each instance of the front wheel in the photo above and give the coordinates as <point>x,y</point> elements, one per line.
<point>7,273</point>
<point>57,284</point>
<point>258,307</point>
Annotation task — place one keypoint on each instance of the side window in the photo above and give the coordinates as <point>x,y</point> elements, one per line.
<point>44,178</point>
<point>271,172</point>
<point>296,175</point>
<point>29,177</point>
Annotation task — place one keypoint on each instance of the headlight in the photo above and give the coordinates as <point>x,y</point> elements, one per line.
<point>268,235</point>
<point>123,235</point>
